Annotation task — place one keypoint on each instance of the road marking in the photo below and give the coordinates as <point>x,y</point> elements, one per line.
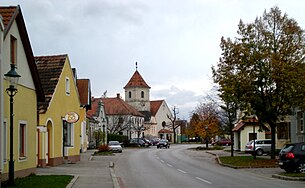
<point>203,180</point>
<point>162,161</point>
<point>181,171</point>
<point>169,165</point>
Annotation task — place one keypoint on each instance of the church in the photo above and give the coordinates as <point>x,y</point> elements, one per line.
<point>137,94</point>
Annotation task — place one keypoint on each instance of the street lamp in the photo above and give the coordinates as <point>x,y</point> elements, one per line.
<point>12,76</point>
<point>206,136</point>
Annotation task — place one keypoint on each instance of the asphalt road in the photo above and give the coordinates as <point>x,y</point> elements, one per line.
<point>177,167</point>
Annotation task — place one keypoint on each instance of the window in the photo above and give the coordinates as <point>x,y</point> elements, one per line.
<point>68,132</point>
<point>142,94</point>
<point>13,50</point>
<point>67,86</point>
<point>129,94</point>
<point>283,130</point>
<point>300,122</point>
<point>252,136</point>
<point>5,142</point>
<point>22,140</point>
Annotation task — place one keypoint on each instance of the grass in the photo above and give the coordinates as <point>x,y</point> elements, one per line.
<point>209,148</point>
<point>248,161</point>
<point>293,174</point>
<point>47,181</point>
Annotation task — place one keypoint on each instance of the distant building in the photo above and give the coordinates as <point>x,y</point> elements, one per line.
<point>137,94</point>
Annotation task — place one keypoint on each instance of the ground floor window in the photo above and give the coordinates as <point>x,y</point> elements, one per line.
<point>252,136</point>
<point>22,140</point>
<point>5,142</point>
<point>68,132</point>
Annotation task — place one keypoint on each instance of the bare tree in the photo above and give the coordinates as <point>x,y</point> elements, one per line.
<point>173,119</point>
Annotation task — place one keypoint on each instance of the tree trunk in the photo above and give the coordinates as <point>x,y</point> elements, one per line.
<point>273,126</point>
<point>232,141</point>
<point>174,129</point>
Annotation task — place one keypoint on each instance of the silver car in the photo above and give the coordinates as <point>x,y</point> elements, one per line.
<point>115,146</point>
<point>261,147</point>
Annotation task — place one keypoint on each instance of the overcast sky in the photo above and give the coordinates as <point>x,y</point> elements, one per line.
<point>175,42</point>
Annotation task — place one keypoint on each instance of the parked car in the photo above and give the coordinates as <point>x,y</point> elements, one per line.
<point>147,141</point>
<point>115,146</point>
<point>223,142</point>
<point>163,143</point>
<point>261,147</point>
<point>292,157</point>
<point>138,142</point>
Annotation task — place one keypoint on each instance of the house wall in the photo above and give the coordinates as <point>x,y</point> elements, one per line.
<point>25,108</point>
<point>161,116</point>
<point>244,135</point>
<point>59,106</point>
<point>1,97</point>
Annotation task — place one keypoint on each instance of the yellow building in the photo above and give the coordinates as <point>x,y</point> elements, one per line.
<point>16,50</point>
<point>59,121</point>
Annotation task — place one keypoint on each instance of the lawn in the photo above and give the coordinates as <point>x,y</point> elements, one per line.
<point>58,181</point>
<point>248,161</point>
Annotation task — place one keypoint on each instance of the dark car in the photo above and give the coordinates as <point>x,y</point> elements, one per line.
<point>223,142</point>
<point>163,143</point>
<point>138,142</point>
<point>155,141</point>
<point>292,157</point>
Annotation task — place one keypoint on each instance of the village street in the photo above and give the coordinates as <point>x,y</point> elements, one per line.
<point>179,167</point>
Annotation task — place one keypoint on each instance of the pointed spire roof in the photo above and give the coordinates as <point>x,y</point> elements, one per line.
<point>136,80</point>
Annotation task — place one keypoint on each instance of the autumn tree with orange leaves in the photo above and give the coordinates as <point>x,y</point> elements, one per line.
<point>205,120</point>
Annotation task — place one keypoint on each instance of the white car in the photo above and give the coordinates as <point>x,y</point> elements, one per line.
<point>115,146</point>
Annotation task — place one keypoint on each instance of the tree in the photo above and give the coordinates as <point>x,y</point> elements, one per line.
<point>264,67</point>
<point>206,120</point>
<point>173,119</point>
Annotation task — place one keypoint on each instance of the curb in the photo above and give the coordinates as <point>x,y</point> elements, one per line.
<point>273,175</point>
<point>72,182</point>
<point>113,175</point>
<point>288,178</point>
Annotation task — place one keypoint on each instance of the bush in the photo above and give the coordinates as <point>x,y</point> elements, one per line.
<point>121,138</point>
<point>103,148</point>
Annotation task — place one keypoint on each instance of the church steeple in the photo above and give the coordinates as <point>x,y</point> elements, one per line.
<point>137,92</point>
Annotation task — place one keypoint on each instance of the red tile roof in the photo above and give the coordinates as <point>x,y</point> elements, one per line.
<point>154,106</point>
<point>94,107</point>
<point>136,81</point>
<point>117,106</point>
<point>8,14</point>
<point>245,122</point>
<point>49,69</point>
<point>84,91</point>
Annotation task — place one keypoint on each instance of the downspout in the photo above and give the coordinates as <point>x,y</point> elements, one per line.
<point>1,99</point>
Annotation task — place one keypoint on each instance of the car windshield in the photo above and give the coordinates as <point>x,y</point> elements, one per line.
<point>287,148</point>
<point>250,142</point>
<point>114,143</point>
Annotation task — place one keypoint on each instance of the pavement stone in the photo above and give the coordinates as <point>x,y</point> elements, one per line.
<point>90,171</point>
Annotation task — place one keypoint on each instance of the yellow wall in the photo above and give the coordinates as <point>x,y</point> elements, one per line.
<point>59,106</point>
<point>25,110</point>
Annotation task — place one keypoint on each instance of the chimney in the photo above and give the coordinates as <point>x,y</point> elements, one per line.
<point>118,95</point>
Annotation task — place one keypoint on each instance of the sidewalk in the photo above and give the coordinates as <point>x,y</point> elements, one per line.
<point>90,171</point>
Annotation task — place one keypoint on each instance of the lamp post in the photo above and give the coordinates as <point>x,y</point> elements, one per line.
<point>104,134</point>
<point>12,76</point>
<point>206,136</point>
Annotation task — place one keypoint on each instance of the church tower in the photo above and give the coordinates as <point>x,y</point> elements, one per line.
<point>137,92</point>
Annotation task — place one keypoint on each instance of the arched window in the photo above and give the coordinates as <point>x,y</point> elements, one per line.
<point>142,94</point>
<point>129,94</point>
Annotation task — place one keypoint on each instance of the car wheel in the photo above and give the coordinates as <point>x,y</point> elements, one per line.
<point>259,152</point>
<point>301,168</point>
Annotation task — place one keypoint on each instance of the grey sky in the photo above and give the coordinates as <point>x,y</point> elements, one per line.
<point>175,42</point>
